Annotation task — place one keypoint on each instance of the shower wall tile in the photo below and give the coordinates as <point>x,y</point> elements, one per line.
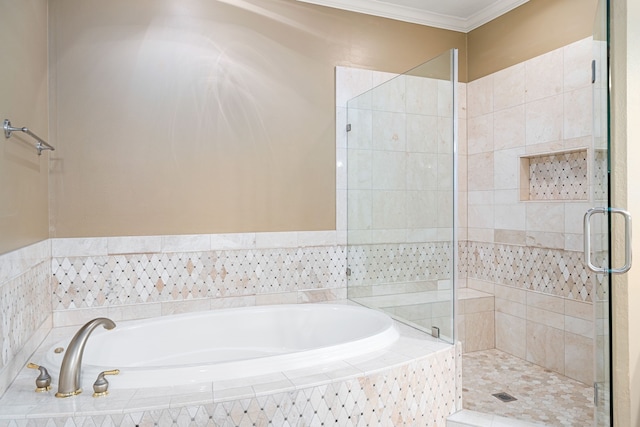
<point>445,210</point>
<point>545,317</point>
<point>480,173</point>
<point>392,96</point>
<point>360,135</point>
<point>578,113</point>
<point>578,357</point>
<point>508,293</point>
<point>389,210</point>
<point>542,239</point>
<point>510,217</point>
<point>388,170</point>
<point>480,329</point>
<point>445,135</point>
<point>545,346</point>
<point>480,234</point>
<point>341,168</point>
<point>352,82</point>
<point>544,75</point>
<point>422,171</point>
<point>577,64</point>
<point>480,134</point>
<point>545,216</point>
<point>511,308</point>
<point>422,96</point>
<point>544,120</point>
<point>481,216</point>
<point>480,96</point>
<point>445,172</point>
<point>481,197</point>
<point>545,302</point>
<point>577,326</point>
<point>462,103</point>
<point>509,130</point>
<point>420,135</point>
<point>462,176</point>
<point>341,126</point>
<point>506,168</point>
<point>511,90</point>
<point>423,210</point>
<point>579,310</point>
<point>511,237</point>
<point>511,333</point>
<point>574,242</point>
<point>360,164</point>
<point>389,131</point>
<point>445,98</point>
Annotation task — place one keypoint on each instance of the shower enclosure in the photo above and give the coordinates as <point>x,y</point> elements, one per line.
<point>401,196</point>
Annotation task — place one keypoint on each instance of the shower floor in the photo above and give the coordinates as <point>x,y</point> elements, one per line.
<point>543,396</point>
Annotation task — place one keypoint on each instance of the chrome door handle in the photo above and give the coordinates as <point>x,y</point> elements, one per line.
<point>627,243</point>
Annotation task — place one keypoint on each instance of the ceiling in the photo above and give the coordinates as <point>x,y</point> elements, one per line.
<point>457,15</point>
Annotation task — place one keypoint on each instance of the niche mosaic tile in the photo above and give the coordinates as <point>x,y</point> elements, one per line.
<point>551,271</point>
<point>98,281</point>
<point>561,176</point>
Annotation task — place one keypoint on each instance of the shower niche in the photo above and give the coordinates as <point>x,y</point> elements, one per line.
<point>560,175</point>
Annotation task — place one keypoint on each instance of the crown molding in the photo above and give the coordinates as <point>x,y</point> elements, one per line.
<point>422,16</point>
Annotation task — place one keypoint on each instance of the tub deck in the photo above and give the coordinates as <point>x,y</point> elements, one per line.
<point>413,347</point>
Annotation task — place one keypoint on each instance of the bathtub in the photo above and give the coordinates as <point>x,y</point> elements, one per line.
<point>228,344</point>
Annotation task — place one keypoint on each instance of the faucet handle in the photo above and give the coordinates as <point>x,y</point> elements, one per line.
<point>43,382</point>
<point>101,386</point>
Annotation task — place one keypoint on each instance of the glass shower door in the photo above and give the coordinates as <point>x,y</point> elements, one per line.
<point>401,195</point>
<point>598,221</point>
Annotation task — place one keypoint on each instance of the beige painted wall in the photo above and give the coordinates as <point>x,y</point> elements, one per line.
<point>532,29</point>
<point>626,133</point>
<point>23,100</point>
<point>207,116</point>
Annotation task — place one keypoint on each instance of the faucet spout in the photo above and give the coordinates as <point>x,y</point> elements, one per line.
<point>69,382</point>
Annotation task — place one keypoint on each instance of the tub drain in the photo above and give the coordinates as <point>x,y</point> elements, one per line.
<point>504,397</point>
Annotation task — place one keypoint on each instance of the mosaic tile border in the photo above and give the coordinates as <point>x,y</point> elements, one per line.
<point>399,263</point>
<point>550,271</point>
<point>102,281</point>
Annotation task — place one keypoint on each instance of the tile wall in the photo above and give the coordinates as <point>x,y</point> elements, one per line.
<point>135,277</point>
<point>25,306</point>
<point>527,252</point>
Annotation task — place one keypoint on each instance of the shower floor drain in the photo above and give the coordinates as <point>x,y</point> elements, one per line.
<point>504,397</point>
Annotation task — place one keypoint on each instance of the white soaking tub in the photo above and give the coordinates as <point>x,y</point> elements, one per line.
<point>227,344</point>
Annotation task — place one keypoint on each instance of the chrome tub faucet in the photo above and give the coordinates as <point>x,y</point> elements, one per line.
<point>69,382</point>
